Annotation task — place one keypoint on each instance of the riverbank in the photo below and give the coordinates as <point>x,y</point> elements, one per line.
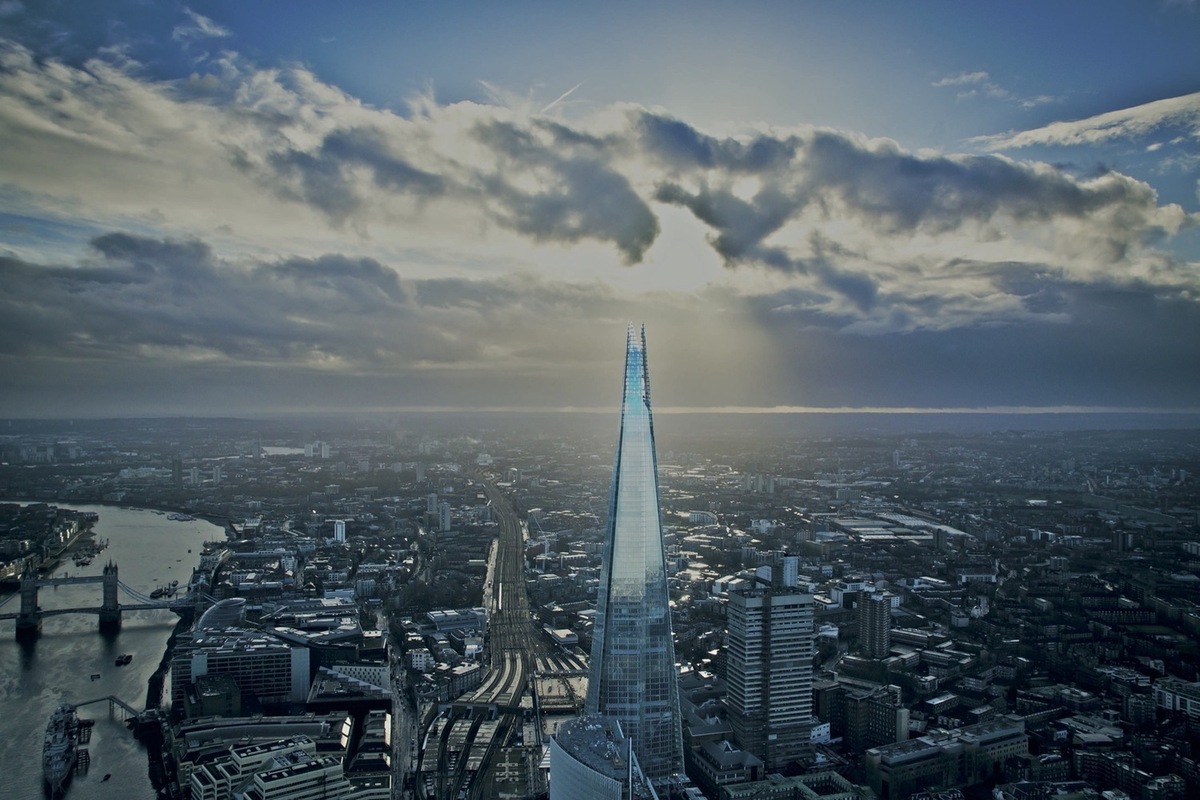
<point>10,573</point>
<point>219,520</point>
<point>162,768</point>
<point>58,666</point>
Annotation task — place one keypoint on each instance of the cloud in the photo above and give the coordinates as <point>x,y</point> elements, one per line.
<point>576,194</point>
<point>963,79</point>
<point>877,227</point>
<point>184,329</point>
<point>198,26</point>
<point>980,84</point>
<point>865,236</point>
<point>134,295</point>
<point>1175,112</point>
<point>168,326</point>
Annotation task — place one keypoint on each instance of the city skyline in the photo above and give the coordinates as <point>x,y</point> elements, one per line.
<point>221,209</point>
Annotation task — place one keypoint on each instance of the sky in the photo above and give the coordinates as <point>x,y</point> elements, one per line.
<point>229,208</point>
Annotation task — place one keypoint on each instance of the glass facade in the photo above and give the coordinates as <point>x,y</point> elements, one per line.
<point>633,674</point>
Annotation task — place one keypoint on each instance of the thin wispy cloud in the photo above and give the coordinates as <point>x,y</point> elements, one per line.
<point>980,84</point>
<point>198,26</point>
<point>963,79</point>
<point>1182,112</point>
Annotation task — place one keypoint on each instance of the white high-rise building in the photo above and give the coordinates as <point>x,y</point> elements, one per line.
<point>443,516</point>
<point>769,644</point>
<point>339,531</point>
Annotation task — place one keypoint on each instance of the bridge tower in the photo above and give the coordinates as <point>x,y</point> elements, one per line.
<point>110,607</point>
<point>29,621</point>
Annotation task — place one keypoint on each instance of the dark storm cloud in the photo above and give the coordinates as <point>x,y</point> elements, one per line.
<point>682,147</point>
<point>325,178</point>
<point>172,302</point>
<point>575,195</point>
<point>363,283</point>
<point>741,225</point>
<point>319,182</point>
<point>175,296</point>
<point>579,195</point>
<point>589,202</point>
<point>898,192</point>
<point>369,148</point>
<point>183,260</point>
<point>888,191</point>
<point>563,135</point>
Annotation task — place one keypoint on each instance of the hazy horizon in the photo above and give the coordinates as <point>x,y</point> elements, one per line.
<point>673,428</point>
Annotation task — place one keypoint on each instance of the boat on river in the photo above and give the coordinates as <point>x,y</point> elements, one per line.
<point>59,748</point>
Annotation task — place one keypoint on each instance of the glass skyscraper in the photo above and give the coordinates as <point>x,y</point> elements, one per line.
<point>632,674</point>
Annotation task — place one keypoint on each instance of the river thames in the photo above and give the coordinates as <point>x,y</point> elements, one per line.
<point>149,550</point>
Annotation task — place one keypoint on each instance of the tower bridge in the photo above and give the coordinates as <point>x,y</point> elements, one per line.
<point>29,618</point>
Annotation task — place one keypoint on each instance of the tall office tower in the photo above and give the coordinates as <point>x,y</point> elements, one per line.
<point>875,624</point>
<point>632,674</point>
<point>769,654</point>
<point>339,531</point>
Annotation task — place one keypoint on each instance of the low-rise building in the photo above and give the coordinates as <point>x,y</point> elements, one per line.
<point>945,759</point>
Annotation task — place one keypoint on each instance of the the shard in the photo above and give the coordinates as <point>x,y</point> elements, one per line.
<point>632,675</point>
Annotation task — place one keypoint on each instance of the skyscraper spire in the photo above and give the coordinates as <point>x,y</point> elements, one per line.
<point>632,674</point>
